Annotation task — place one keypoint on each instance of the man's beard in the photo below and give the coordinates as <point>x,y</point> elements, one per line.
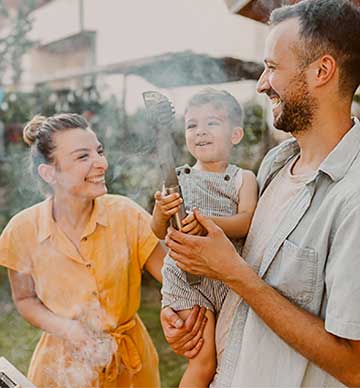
<point>298,108</point>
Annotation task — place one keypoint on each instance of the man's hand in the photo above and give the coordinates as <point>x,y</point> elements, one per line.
<point>184,337</point>
<point>213,256</point>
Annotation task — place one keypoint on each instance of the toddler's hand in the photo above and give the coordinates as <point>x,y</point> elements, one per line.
<point>192,226</point>
<point>168,205</point>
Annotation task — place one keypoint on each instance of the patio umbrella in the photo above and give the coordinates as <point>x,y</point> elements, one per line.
<point>188,68</point>
<point>170,70</point>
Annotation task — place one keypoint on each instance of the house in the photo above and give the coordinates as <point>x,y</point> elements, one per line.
<point>259,10</point>
<point>80,43</point>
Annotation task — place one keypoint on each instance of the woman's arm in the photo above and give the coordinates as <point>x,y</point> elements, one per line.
<point>155,262</point>
<point>237,226</point>
<point>37,314</point>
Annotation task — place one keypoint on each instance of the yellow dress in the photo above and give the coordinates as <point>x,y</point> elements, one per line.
<point>99,285</point>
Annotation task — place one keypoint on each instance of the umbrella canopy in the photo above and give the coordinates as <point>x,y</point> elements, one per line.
<point>170,70</point>
<point>188,68</point>
<point>258,9</point>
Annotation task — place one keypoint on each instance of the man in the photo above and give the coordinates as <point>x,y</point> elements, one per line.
<point>292,318</point>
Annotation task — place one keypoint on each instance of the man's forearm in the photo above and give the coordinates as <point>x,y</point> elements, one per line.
<point>301,330</point>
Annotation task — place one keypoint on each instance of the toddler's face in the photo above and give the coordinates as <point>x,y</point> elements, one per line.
<point>208,133</point>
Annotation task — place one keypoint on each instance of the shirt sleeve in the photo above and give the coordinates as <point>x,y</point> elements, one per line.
<point>342,314</point>
<point>141,236</point>
<point>13,250</point>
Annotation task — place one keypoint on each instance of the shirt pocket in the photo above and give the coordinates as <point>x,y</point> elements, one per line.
<point>294,272</point>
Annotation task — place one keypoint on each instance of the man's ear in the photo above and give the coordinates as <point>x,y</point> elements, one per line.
<point>47,173</point>
<point>237,135</point>
<point>325,69</point>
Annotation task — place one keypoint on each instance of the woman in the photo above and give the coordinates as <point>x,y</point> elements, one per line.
<point>75,263</point>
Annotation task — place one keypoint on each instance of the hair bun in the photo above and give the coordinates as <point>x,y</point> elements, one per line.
<point>32,128</point>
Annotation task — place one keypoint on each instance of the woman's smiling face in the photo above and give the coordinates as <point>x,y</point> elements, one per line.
<point>80,164</point>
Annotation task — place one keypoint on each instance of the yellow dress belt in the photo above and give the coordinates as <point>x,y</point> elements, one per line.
<point>126,354</point>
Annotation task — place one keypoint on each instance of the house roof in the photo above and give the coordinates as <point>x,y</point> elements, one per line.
<point>259,10</point>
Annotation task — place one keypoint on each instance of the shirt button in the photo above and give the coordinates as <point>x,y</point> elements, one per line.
<point>95,293</point>
<point>227,177</point>
<point>85,239</point>
<point>88,265</point>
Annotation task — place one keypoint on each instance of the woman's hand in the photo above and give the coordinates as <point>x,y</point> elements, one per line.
<point>77,334</point>
<point>184,337</point>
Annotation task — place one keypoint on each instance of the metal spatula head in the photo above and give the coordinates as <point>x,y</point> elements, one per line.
<point>160,110</point>
<point>161,115</point>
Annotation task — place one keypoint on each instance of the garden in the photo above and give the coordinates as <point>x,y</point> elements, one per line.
<point>133,172</point>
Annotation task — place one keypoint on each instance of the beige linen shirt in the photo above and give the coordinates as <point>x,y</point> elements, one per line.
<point>312,258</point>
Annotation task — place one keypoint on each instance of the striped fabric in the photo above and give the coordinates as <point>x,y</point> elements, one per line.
<point>214,194</point>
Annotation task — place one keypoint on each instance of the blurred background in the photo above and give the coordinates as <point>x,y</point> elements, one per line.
<point>96,58</point>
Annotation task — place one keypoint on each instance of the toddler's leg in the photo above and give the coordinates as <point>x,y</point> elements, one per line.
<point>201,369</point>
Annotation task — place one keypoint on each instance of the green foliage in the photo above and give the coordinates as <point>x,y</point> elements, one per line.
<point>133,169</point>
<point>16,107</point>
<point>357,98</point>
<point>22,188</point>
<point>17,339</point>
<point>15,44</point>
<point>254,123</point>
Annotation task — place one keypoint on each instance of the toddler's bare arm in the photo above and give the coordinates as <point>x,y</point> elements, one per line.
<point>237,226</point>
<point>165,207</point>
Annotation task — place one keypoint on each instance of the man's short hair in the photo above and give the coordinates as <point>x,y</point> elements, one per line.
<point>219,99</point>
<point>328,27</point>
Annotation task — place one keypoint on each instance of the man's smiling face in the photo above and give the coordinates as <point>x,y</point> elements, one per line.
<point>284,80</point>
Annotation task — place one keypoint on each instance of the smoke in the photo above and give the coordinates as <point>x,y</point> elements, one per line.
<point>79,365</point>
<point>77,373</point>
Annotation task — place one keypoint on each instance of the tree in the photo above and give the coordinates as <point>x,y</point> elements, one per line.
<point>14,41</point>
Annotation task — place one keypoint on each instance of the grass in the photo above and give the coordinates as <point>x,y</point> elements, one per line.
<point>18,339</point>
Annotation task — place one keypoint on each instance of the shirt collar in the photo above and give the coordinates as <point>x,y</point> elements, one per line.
<point>336,164</point>
<point>46,220</point>
<point>99,216</point>
<point>47,224</point>
<point>287,150</point>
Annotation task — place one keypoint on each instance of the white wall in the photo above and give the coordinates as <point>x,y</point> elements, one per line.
<point>56,20</point>
<point>129,29</point>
